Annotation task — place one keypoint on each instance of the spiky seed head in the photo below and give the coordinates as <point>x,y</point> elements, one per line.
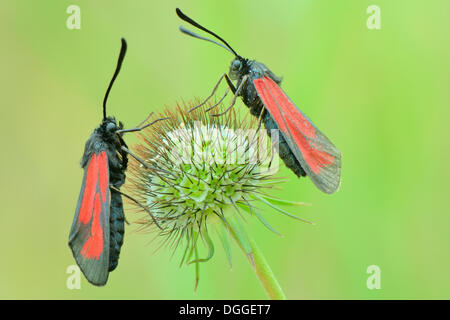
<point>200,172</point>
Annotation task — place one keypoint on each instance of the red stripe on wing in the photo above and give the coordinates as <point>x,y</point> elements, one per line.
<point>316,159</point>
<point>292,123</point>
<point>94,203</point>
<point>270,103</point>
<point>87,202</point>
<point>93,246</point>
<point>303,124</point>
<point>89,235</point>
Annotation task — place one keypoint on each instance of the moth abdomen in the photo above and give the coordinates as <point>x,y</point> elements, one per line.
<point>284,151</point>
<point>116,229</point>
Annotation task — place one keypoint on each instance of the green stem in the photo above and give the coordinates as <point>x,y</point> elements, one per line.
<point>262,270</point>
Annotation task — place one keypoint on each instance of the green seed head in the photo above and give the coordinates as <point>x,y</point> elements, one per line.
<point>199,172</point>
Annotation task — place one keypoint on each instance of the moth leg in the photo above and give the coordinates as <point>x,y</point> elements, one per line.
<point>141,126</point>
<point>260,117</point>
<point>257,130</point>
<point>156,170</point>
<point>138,203</point>
<point>219,102</point>
<point>142,162</point>
<point>274,146</point>
<point>212,93</point>
<point>145,120</point>
<point>230,84</point>
<point>236,94</point>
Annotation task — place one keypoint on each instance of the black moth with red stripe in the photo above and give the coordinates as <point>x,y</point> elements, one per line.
<point>96,236</point>
<point>302,146</point>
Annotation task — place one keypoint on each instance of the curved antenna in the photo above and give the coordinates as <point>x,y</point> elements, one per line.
<point>184,17</point>
<point>192,34</point>
<point>123,50</point>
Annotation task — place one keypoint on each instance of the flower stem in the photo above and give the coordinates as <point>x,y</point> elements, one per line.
<point>262,270</point>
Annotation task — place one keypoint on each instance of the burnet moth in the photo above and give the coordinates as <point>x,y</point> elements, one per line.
<point>302,146</point>
<point>97,231</point>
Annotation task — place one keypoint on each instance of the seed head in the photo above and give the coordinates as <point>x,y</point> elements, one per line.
<point>198,172</point>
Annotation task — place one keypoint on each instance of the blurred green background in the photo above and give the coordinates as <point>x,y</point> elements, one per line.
<point>382,96</point>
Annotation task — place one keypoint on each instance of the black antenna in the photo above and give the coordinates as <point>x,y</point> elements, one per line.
<point>195,24</point>
<point>192,34</point>
<point>123,50</point>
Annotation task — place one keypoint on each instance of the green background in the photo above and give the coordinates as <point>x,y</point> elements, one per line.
<point>382,96</point>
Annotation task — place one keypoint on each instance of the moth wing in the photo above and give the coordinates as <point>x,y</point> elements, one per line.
<point>89,234</point>
<point>316,153</point>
